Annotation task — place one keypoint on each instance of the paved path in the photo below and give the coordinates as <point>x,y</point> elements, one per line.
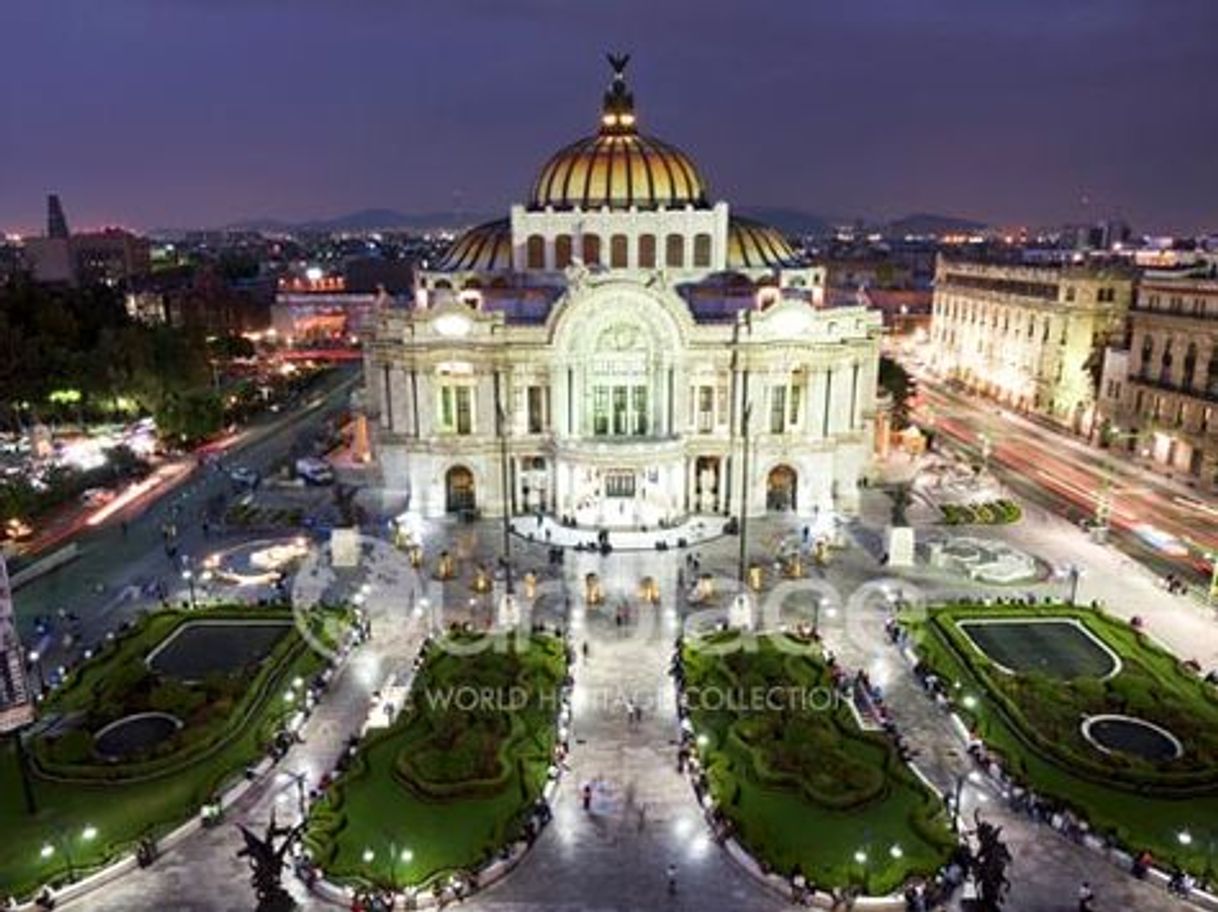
<point>604,861</point>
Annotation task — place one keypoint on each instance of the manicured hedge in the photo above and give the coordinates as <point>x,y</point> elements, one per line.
<point>803,787</point>
<point>989,513</point>
<point>452,783</point>
<point>128,801</point>
<point>1033,722</point>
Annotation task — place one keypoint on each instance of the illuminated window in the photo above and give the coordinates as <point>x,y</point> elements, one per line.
<point>674,251</point>
<point>562,251</point>
<point>592,249</point>
<point>617,251</point>
<point>536,252</point>
<point>647,251</point>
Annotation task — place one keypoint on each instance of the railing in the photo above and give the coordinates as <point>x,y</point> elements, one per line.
<point>1208,395</point>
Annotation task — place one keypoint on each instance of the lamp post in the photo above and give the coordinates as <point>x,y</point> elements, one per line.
<point>87,835</point>
<point>505,480</point>
<point>36,664</point>
<point>1076,574</point>
<point>189,576</point>
<point>744,479</point>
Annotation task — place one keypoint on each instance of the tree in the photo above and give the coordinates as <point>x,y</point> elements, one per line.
<point>895,381</point>
<point>989,865</point>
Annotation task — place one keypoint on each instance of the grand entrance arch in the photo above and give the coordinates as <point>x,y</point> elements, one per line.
<point>780,488</point>
<point>459,494</point>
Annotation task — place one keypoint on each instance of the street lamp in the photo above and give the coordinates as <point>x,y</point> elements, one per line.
<point>744,478</point>
<point>189,576</point>
<point>1076,573</point>
<point>36,664</point>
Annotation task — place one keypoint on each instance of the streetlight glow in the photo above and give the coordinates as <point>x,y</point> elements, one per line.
<point>368,856</point>
<point>89,833</point>
<point>47,851</point>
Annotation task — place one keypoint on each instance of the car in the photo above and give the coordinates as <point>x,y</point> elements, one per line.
<point>314,471</point>
<point>16,530</point>
<point>244,477</point>
<point>96,497</point>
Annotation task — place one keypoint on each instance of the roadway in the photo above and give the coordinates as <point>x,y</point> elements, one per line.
<point>126,552</point>
<point>1068,476</point>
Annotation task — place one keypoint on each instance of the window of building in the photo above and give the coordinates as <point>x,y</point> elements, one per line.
<point>535,252</point>
<point>1189,380</point>
<point>1148,352</point>
<point>1165,363</point>
<point>536,409</point>
<point>456,409</point>
<point>674,251</point>
<point>647,251</point>
<point>706,409</point>
<point>1069,292</point>
<point>592,249</point>
<point>702,249</point>
<point>617,251</point>
<point>562,251</point>
<point>620,411</point>
<point>778,409</point>
<point>1211,381</point>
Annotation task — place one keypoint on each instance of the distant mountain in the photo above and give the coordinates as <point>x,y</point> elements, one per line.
<point>794,222</point>
<point>929,223</point>
<point>365,220</point>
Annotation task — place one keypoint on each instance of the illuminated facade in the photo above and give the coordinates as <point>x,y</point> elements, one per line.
<point>1028,336</point>
<point>1166,405</point>
<point>594,355</point>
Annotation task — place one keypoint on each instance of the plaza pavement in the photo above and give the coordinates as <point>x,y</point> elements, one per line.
<point>606,860</point>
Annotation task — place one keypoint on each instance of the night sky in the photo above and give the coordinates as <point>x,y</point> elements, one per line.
<point>174,113</point>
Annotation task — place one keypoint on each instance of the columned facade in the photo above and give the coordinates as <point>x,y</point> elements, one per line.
<point>606,353</point>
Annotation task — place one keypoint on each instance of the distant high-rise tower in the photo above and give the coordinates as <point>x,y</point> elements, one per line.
<point>57,222</point>
<point>16,701</point>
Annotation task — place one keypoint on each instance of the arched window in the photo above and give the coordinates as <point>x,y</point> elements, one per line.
<point>1211,380</point>
<point>617,251</point>
<point>592,249</point>
<point>1165,363</point>
<point>1189,380</point>
<point>647,251</point>
<point>702,249</point>
<point>535,249</point>
<point>562,251</point>
<point>674,251</point>
<point>1148,352</point>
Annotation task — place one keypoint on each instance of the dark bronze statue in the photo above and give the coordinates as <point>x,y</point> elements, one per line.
<point>266,864</point>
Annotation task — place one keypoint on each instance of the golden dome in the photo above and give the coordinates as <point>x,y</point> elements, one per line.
<point>484,248</point>
<point>753,244</point>
<point>618,167</point>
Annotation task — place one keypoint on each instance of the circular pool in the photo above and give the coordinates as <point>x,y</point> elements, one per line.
<point>1132,737</point>
<point>133,735</point>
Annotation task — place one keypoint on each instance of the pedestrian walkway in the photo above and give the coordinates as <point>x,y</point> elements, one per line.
<point>613,856</point>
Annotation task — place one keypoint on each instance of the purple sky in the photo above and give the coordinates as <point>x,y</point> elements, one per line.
<point>200,112</point>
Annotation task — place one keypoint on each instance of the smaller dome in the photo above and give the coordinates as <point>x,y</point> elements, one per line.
<point>484,248</point>
<point>754,245</point>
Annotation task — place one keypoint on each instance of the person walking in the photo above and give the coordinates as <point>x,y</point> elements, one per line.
<point>1085,897</point>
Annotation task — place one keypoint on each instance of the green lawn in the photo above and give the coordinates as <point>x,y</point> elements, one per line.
<point>804,787</point>
<point>1033,719</point>
<point>229,722</point>
<point>451,781</point>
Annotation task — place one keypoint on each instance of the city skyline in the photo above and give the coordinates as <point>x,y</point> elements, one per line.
<point>200,115</point>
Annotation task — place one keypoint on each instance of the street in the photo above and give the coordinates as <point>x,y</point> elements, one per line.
<point>1068,476</point>
<point>116,559</point>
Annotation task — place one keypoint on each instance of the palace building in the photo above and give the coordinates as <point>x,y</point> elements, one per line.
<point>622,352</point>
